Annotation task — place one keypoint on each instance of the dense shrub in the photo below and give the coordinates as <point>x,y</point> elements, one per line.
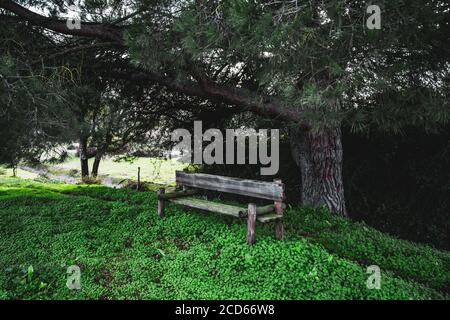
<point>401,183</point>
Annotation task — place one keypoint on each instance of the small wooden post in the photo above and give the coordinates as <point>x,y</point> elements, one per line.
<point>161,203</point>
<point>251,223</point>
<point>139,179</point>
<point>279,208</point>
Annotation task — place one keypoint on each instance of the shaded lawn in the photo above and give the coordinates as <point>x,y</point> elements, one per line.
<point>124,250</point>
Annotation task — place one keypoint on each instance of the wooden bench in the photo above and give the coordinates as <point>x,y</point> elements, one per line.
<point>191,183</point>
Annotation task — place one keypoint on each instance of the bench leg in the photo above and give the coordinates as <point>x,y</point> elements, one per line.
<point>279,228</point>
<point>251,223</point>
<point>161,203</point>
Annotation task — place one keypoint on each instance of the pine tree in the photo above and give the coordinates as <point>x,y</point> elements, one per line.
<point>312,64</point>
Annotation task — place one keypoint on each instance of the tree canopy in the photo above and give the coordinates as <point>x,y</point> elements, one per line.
<point>313,65</point>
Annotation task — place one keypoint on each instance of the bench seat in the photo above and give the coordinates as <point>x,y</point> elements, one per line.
<point>226,209</point>
<point>191,183</point>
<point>195,203</point>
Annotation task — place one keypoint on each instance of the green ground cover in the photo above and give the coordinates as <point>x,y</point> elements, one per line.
<point>125,251</point>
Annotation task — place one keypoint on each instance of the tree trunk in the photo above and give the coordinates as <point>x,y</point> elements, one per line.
<point>319,157</point>
<point>96,164</point>
<point>84,159</point>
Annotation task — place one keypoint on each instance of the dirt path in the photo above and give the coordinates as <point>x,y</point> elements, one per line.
<point>66,178</point>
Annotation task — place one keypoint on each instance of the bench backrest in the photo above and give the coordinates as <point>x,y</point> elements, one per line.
<point>251,188</point>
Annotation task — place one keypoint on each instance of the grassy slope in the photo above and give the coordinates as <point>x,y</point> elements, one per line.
<point>125,251</point>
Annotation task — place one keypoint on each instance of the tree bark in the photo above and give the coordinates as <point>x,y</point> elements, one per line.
<point>96,164</point>
<point>319,157</point>
<point>84,158</point>
<point>100,152</point>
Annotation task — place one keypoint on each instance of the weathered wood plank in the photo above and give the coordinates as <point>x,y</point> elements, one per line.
<point>177,194</point>
<point>251,224</point>
<point>195,203</point>
<point>269,217</point>
<point>250,188</point>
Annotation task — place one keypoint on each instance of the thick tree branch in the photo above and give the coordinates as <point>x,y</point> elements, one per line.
<point>93,30</point>
<point>218,93</point>
<point>205,88</point>
<point>259,104</point>
<point>186,87</point>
